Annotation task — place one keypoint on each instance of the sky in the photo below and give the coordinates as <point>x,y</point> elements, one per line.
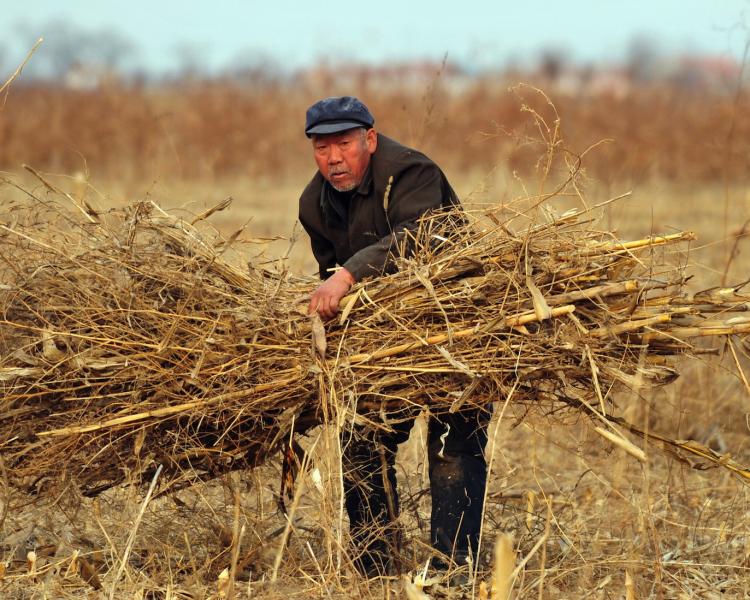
<point>292,34</point>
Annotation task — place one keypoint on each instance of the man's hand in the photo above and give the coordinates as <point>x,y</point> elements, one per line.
<point>325,300</point>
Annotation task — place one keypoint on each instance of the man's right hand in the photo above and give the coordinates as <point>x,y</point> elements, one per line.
<point>325,300</point>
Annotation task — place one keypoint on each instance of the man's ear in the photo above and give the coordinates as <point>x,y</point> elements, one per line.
<point>371,140</point>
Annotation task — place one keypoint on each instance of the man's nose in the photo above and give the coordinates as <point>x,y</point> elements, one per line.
<point>334,156</point>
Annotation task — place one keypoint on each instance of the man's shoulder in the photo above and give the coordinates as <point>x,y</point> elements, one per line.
<point>393,158</point>
<point>389,150</point>
<point>408,167</point>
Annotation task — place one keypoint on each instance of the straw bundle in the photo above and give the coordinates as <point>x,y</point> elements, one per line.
<point>129,341</point>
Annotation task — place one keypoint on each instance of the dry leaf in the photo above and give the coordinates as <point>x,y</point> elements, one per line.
<point>88,573</point>
<point>318,336</point>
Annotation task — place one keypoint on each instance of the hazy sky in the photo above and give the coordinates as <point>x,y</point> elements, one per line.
<point>479,32</point>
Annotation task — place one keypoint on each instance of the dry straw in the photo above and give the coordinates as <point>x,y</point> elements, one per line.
<point>502,573</point>
<point>129,341</point>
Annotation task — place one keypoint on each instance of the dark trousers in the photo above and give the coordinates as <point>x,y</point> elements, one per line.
<point>458,477</point>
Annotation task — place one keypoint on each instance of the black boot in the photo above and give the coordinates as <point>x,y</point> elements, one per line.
<point>370,496</point>
<point>458,478</point>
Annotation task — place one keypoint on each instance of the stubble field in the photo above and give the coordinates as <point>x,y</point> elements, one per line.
<point>587,520</point>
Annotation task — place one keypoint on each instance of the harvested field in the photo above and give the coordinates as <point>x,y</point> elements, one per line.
<point>114,312</point>
<point>135,351</point>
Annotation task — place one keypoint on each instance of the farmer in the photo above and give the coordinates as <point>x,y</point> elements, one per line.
<point>367,190</point>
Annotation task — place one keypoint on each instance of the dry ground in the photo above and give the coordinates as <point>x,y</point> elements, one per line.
<point>590,521</point>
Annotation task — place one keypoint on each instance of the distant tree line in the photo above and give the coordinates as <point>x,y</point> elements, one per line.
<point>84,58</point>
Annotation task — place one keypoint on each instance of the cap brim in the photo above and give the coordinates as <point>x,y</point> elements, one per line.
<point>328,128</point>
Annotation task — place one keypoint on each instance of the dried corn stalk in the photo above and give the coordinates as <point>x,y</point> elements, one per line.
<point>131,341</point>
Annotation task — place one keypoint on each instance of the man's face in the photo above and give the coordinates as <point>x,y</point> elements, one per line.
<point>343,158</point>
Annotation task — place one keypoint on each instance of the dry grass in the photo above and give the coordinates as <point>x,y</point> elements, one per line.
<point>163,561</point>
<point>220,129</point>
<point>587,519</point>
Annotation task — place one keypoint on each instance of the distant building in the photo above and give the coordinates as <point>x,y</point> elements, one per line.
<point>82,76</point>
<point>404,76</point>
<point>706,72</point>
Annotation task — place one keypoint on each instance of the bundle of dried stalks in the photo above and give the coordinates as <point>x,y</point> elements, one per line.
<point>129,341</point>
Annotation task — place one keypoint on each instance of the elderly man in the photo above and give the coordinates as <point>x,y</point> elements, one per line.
<point>368,190</point>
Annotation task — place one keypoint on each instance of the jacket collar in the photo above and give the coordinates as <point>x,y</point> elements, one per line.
<point>365,186</point>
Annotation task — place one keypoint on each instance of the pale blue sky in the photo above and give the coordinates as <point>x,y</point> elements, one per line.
<point>473,32</point>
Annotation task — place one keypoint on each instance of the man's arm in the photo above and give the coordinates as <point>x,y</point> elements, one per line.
<point>325,299</point>
<point>322,250</point>
<point>418,190</point>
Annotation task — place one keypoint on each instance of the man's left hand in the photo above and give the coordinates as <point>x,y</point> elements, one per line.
<point>325,300</point>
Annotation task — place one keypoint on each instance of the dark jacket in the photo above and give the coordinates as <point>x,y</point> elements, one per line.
<point>359,229</point>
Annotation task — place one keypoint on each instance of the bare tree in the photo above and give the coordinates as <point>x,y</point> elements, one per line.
<point>552,63</point>
<point>642,58</point>
<point>68,46</point>
<point>191,60</point>
<point>4,67</point>
<point>253,67</point>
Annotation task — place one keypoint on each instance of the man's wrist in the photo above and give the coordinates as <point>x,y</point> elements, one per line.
<point>347,276</point>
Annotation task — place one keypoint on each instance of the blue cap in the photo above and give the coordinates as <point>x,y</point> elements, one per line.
<point>339,113</point>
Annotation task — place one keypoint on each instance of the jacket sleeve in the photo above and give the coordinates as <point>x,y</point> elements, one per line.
<point>417,190</point>
<point>322,250</point>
